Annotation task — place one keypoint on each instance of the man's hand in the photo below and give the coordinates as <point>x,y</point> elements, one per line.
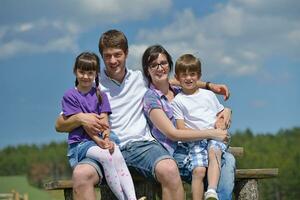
<point>93,123</point>
<point>220,89</point>
<point>224,119</point>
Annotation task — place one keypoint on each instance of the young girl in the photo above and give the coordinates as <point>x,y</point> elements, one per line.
<point>86,97</point>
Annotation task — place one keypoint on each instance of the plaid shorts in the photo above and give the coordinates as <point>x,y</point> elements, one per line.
<point>189,156</point>
<point>217,145</point>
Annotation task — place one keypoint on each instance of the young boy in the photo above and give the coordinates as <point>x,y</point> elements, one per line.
<point>196,108</point>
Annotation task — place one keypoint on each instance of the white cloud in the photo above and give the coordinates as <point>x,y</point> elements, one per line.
<point>236,37</point>
<point>32,38</point>
<point>120,10</point>
<point>55,26</point>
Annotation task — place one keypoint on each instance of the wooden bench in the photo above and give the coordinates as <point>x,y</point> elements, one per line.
<point>246,183</point>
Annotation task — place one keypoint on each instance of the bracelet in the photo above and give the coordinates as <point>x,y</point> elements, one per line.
<point>207,85</point>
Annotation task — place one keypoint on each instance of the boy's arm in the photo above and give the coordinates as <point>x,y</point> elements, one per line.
<point>216,88</point>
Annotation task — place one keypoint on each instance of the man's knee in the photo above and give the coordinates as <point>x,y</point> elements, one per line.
<point>228,161</point>
<point>167,171</point>
<point>84,175</point>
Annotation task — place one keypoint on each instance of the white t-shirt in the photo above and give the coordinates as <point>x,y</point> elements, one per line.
<point>127,120</point>
<point>199,110</point>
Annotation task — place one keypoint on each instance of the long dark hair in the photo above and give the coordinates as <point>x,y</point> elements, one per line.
<point>89,61</point>
<point>151,54</point>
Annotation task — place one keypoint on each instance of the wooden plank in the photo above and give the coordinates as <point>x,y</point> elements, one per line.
<point>240,174</point>
<point>238,152</point>
<point>58,184</point>
<point>256,173</point>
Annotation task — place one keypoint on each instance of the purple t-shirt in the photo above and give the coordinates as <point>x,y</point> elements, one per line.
<point>156,99</point>
<point>74,102</point>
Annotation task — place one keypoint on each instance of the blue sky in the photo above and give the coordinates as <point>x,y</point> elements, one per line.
<point>253,46</point>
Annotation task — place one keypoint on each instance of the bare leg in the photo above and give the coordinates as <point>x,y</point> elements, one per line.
<point>197,183</point>
<point>84,178</point>
<point>214,168</point>
<point>168,175</point>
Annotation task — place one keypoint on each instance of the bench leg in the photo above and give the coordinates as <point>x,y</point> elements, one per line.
<point>148,189</point>
<point>68,193</point>
<point>106,193</point>
<point>142,188</point>
<point>246,189</point>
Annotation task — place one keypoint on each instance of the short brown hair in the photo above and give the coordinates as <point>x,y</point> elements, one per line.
<point>187,62</point>
<point>113,39</point>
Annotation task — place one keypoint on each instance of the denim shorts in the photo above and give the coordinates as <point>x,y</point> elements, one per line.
<point>77,154</point>
<point>142,156</point>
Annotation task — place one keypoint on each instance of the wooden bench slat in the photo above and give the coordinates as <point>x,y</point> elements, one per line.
<point>256,173</point>
<point>240,174</point>
<point>238,152</point>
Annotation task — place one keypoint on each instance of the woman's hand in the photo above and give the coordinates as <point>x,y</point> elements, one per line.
<point>220,135</point>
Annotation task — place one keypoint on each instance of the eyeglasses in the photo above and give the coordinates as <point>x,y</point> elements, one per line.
<point>155,66</point>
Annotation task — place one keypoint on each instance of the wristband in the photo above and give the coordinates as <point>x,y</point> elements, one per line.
<point>207,85</point>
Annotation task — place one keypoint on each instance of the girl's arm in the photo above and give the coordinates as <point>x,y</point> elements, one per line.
<point>162,122</point>
<point>106,134</point>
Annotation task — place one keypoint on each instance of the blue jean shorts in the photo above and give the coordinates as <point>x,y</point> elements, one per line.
<point>142,156</point>
<point>77,154</point>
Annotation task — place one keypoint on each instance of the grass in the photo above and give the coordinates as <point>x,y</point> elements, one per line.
<point>21,185</point>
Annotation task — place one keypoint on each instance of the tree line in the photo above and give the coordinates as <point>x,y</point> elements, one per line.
<point>278,150</point>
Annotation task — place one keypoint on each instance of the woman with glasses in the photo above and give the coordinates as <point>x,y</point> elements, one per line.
<point>157,65</point>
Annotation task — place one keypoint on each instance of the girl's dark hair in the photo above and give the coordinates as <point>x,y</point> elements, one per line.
<point>151,54</point>
<point>89,61</point>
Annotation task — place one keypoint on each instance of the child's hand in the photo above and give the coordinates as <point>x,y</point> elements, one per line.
<point>103,144</point>
<point>110,145</point>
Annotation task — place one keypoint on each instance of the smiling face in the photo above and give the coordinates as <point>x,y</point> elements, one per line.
<point>159,69</point>
<point>188,81</point>
<point>188,72</point>
<point>115,61</point>
<point>85,79</point>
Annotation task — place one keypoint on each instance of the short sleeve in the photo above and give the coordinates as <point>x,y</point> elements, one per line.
<point>151,101</point>
<point>177,110</point>
<point>105,106</point>
<point>218,106</point>
<point>70,104</point>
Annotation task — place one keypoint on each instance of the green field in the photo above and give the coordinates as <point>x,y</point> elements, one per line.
<point>20,184</point>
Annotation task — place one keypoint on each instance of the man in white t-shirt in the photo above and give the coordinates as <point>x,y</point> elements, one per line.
<point>125,89</point>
